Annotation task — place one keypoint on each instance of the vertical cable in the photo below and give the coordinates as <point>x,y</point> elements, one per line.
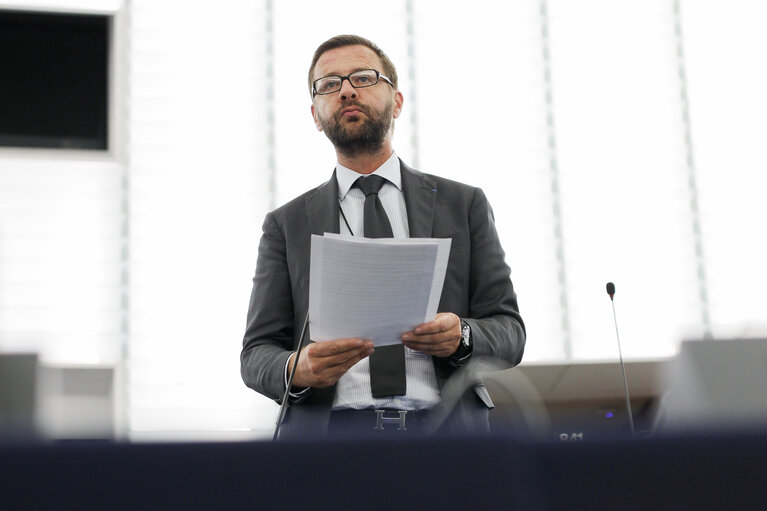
<point>270,143</point>
<point>556,201</point>
<point>691,178</point>
<point>410,16</point>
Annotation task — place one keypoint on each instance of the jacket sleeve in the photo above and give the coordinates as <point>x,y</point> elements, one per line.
<point>497,328</point>
<point>269,332</point>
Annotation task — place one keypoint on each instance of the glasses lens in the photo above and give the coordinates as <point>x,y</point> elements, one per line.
<point>364,78</point>
<point>327,85</point>
<point>358,79</point>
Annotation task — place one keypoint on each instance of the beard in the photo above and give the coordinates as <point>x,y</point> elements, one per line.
<point>361,136</point>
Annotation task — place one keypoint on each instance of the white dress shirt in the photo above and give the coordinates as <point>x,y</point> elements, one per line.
<point>353,389</point>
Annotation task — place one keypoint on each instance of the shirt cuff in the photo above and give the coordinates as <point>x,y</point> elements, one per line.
<point>294,395</point>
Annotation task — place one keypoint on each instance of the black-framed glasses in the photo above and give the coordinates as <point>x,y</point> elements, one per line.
<point>358,79</point>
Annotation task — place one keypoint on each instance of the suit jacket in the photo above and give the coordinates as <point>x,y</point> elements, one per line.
<point>477,285</point>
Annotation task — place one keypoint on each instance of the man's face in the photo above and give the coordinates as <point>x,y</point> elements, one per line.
<point>356,121</point>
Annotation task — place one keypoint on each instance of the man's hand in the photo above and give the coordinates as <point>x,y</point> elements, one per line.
<point>440,337</point>
<point>322,363</point>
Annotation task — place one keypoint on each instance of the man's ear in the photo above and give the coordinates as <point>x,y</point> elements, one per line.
<point>316,119</point>
<point>398,100</point>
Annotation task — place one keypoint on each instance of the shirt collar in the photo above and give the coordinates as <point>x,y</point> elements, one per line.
<point>388,170</point>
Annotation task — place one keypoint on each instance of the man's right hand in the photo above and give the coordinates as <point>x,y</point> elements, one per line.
<point>323,363</point>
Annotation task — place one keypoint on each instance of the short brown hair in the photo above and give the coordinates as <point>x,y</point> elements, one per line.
<point>340,41</point>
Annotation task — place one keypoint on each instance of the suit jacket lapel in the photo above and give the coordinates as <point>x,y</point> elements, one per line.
<point>322,212</point>
<point>322,208</point>
<point>420,198</point>
<point>322,216</point>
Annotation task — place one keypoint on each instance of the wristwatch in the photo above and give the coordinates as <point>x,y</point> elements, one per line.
<point>465,346</point>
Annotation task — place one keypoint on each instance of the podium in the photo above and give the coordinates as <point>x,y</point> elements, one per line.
<point>681,472</point>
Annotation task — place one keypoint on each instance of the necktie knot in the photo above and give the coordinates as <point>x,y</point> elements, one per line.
<point>370,184</point>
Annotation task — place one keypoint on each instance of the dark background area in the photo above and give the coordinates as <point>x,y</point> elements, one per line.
<point>53,80</point>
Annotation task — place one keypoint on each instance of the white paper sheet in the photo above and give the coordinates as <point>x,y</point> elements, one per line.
<point>374,289</point>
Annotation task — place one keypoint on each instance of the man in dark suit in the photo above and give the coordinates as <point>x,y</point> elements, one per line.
<point>355,101</point>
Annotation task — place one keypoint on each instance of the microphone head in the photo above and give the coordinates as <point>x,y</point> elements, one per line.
<point>611,289</point>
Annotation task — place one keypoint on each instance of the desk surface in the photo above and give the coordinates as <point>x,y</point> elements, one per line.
<point>723,471</point>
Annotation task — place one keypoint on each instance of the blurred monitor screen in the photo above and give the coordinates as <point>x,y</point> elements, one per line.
<point>54,80</point>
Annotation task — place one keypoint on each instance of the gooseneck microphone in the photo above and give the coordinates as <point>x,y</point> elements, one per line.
<point>286,396</point>
<point>611,292</point>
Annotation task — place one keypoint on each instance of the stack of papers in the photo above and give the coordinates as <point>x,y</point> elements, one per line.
<point>374,289</point>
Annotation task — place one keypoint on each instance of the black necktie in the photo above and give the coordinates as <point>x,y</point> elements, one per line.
<point>387,364</point>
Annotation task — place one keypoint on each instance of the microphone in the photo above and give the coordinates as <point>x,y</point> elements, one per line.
<point>611,291</point>
<point>286,396</point>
